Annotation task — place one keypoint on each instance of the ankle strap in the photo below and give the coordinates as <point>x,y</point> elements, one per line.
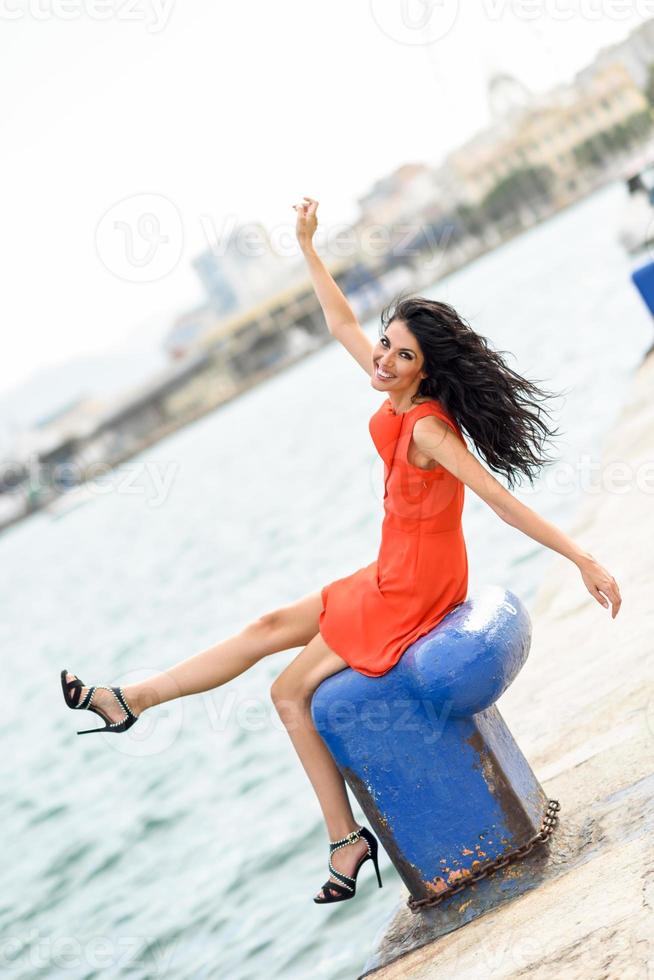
<point>348,839</point>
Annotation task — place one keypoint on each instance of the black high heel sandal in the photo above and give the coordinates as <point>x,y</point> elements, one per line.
<point>341,892</point>
<point>72,691</point>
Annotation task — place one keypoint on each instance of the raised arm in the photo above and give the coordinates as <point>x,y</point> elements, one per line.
<point>434,438</point>
<point>339,316</point>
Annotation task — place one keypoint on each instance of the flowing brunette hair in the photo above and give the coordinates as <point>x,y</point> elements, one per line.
<point>494,405</point>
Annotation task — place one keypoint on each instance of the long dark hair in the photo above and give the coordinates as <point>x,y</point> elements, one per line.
<point>495,406</point>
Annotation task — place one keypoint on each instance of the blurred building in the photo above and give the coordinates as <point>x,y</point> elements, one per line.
<point>242,268</point>
<point>635,54</point>
<point>397,197</point>
<point>544,131</point>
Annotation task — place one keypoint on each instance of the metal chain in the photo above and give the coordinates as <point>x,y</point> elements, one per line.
<point>547,827</point>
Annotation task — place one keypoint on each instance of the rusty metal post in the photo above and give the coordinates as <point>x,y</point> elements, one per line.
<point>429,757</point>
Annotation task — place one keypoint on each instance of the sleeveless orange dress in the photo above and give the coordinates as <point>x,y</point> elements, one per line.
<point>371,617</point>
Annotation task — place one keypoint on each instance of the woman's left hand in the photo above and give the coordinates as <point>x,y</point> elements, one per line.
<point>601,584</point>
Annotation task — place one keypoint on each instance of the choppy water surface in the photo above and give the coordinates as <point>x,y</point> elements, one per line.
<point>192,848</point>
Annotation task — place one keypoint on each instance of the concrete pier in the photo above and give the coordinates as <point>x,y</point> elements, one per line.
<point>582,711</point>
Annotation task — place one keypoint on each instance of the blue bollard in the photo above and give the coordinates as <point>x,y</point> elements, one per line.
<point>429,757</point>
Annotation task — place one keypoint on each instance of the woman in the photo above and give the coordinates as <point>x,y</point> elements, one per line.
<point>439,377</point>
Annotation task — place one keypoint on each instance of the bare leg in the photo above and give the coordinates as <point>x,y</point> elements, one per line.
<point>291,693</point>
<point>283,629</point>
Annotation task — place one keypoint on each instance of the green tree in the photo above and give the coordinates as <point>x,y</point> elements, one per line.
<point>524,186</point>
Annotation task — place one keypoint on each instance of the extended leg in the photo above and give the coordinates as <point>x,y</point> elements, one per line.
<point>291,693</point>
<point>283,629</point>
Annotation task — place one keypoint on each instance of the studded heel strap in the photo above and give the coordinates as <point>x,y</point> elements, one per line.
<point>347,880</point>
<point>345,885</point>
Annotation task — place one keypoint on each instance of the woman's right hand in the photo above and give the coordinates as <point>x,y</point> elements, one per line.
<point>306,222</point>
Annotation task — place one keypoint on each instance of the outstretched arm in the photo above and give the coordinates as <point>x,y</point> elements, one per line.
<point>435,438</point>
<point>340,317</point>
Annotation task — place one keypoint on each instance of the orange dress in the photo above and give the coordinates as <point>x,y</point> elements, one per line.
<point>371,617</point>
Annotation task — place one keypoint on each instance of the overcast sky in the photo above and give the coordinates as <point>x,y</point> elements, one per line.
<point>129,129</point>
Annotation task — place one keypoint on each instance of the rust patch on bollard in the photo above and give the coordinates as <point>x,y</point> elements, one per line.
<point>515,818</point>
<point>424,893</point>
<point>410,874</point>
<point>488,868</point>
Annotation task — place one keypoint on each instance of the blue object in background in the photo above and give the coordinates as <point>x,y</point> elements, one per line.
<point>643,279</point>
<point>428,755</point>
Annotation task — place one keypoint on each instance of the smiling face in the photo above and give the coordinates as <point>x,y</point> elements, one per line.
<point>397,353</point>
